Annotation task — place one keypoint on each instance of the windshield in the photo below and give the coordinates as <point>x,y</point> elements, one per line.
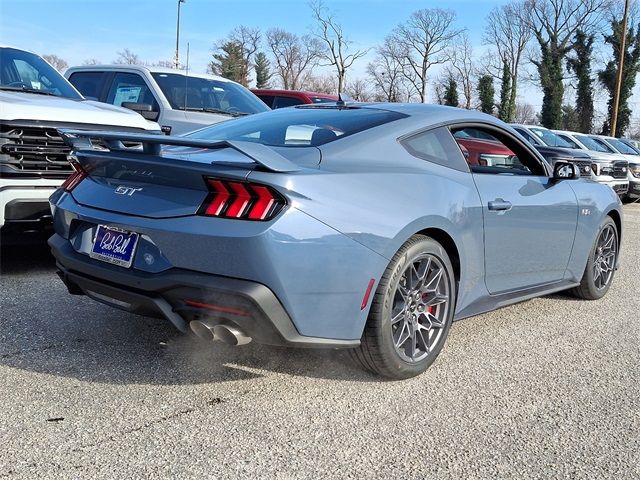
<point>203,94</point>
<point>27,72</point>
<point>549,138</point>
<point>298,126</point>
<point>591,144</point>
<point>622,147</point>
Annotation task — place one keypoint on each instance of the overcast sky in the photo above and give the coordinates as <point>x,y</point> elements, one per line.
<point>77,30</point>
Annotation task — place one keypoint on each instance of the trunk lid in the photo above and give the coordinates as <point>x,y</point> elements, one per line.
<point>161,177</point>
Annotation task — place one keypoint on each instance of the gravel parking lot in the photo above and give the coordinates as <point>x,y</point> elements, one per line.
<point>548,388</point>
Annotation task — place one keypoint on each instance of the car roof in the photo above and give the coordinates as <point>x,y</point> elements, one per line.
<point>434,114</point>
<point>149,69</point>
<point>271,91</point>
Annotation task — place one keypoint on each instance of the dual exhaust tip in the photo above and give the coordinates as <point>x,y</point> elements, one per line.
<point>228,334</point>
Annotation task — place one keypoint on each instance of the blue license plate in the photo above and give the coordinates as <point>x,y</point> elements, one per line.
<point>114,246</point>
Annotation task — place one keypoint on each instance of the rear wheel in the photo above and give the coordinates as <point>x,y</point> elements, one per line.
<point>601,263</point>
<point>411,312</point>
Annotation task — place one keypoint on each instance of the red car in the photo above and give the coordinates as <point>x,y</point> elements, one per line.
<point>288,98</point>
<point>485,152</point>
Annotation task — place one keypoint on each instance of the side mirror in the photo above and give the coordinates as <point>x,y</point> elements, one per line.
<point>143,109</point>
<point>565,171</point>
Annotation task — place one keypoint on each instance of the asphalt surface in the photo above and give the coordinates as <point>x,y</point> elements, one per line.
<point>549,388</point>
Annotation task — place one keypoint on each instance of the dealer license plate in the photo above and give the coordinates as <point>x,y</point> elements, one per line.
<point>114,246</point>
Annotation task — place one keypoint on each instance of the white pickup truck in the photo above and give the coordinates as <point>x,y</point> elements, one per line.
<point>178,101</point>
<point>35,100</point>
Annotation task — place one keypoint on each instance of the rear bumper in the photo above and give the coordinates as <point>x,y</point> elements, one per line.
<point>250,306</point>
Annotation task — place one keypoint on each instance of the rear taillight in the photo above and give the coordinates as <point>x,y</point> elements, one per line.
<point>75,178</point>
<point>241,200</point>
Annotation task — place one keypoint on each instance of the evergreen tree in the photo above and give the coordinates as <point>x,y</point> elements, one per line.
<point>451,93</point>
<point>580,65</point>
<point>570,118</point>
<point>263,73</point>
<point>229,63</point>
<point>630,69</point>
<point>551,76</point>
<point>486,93</point>
<point>506,111</point>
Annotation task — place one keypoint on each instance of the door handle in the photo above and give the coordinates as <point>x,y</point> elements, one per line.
<point>499,205</point>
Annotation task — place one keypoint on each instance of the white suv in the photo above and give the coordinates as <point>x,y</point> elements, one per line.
<point>178,102</point>
<point>35,100</point>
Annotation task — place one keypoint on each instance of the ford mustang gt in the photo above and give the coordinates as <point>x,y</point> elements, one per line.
<point>359,226</point>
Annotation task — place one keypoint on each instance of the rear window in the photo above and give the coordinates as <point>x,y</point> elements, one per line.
<point>298,126</point>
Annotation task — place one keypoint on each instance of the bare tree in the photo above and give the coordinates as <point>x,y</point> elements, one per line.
<point>293,55</point>
<point>127,57</point>
<point>554,24</point>
<point>424,39</point>
<point>462,67</point>
<point>56,62</point>
<point>508,31</point>
<point>320,84</point>
<point>91,61</point>
<point>337,45</point>
<point>248,39</point>
<point>524,113</point>
<point>360,90</point>
<point>385,72</point>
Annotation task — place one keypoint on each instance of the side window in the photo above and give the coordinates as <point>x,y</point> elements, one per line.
<point>572,144</point>
<point>493,152</point>
<point>89,84</point>
<point>130,87</point>
<point>283,102</point>
<point>436,146</point>
<point>527,136</point>
<point>267,99</point>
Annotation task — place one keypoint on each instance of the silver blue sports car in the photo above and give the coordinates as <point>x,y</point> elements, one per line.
<point>363,226</point>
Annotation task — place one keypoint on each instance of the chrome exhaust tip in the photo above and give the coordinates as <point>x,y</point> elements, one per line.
<point>203,329</point>
<point>207,330</point>
<point>230,335</point>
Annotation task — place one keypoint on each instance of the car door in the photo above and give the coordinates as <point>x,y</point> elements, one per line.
<point>131,88</point>
<point>529,219</point>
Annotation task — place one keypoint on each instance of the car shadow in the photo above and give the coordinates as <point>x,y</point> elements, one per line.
<point>47,330</point>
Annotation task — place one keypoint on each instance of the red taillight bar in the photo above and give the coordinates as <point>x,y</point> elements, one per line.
<point>75,178</point>
<point>241,200</point>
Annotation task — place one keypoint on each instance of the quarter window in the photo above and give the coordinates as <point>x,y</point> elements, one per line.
<point>436,146</point>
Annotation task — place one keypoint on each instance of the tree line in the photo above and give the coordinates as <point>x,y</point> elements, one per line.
<point>551,43</point>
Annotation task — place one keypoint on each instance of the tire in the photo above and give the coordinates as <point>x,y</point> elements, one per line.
<point>595,282</point>
<point>423,298</point>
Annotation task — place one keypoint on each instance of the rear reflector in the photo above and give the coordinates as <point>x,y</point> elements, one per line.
<point>75,178</point>
<point>216,308</point>
<point>241,200</point>
<point>365,299</point>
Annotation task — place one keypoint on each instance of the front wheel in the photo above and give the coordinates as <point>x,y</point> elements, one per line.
<point>601,264</point>
<point>411,312</point>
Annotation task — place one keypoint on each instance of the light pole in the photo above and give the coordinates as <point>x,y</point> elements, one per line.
<point>616,97</point>
<point>178,35</point>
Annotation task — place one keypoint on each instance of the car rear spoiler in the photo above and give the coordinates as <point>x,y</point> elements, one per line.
<point>152,143</point>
